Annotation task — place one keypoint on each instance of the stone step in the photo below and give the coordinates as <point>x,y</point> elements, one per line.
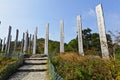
<point>33,68</point>
<point>29,76</point>
<point>45,58</point>
<point>35,62</point>
<point>43,55</point>
<point>38,55</point>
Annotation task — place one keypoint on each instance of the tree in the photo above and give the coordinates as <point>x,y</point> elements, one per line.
<point>115,46</point>
<point>72,46</point>
<point>95,41</point>
<point>86,34</point>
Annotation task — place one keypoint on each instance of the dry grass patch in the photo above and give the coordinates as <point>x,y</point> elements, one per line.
<point>72,66</point>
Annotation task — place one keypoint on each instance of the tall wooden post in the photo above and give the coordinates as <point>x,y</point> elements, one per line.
<point>61,36</point>
<point>3,45</point>
<point>16,40</point>
<point>22,42</point>
<point>8,40</point>
<point>26,43</point>
<point>9,44</point>
<point>29,50</point>
<point>46,40</point>
<point>80,41</point>
<point>32,42</point>
<point>102,33</point>
<point>0,44</point>
<point>35,40</point>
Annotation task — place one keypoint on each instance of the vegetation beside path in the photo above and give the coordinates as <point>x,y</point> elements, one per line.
<point>72,66</point>
<point>9,65</point>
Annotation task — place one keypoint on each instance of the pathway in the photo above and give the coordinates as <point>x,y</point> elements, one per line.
<point>34,68</point>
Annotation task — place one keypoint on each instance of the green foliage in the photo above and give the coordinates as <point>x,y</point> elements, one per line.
<point>40,46</point>
<point>86,35</point>
<point>72,46</point>
<point>18,49</point>
<point>54,46</point>
<point>114,66</point>
<point>91,42</point>
<point>72,66</point>
<point>8,66</point>
<point>27,55</point>
<point>117,56</point>
<point>3,58</point>
<point>117,49</point>
<point>4,64</point>
<point>95,41</point>
<point>6,60</point>
<point>92,52</point>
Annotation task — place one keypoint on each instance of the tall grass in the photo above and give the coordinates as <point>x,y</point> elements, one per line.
<point>72,66</point>
<point>9,65</point>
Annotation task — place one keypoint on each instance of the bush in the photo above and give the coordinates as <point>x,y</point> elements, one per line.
<point>8,66</point>
<point>117,56</point>
<point>27,55</point>
<point>92,52</point>
<point>72,66</point>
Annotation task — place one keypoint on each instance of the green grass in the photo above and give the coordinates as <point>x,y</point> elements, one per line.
<point>8,66</point>
<point>72,66</point>
<point>5,61</point>
<point>117,56</point>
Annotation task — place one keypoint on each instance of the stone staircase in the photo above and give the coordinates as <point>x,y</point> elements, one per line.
<point>34,68</point>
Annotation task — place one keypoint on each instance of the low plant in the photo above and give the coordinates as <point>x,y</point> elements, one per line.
<point>9,65</point>
<point>72,66</point>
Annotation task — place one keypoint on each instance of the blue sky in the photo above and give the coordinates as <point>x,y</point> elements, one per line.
<point>28,14</point>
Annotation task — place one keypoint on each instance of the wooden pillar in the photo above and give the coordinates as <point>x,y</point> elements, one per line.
<point>8,40</point>
<point>80,41</point>
<point>16,40</point>
<point>0,44</point>
<point>29,48</point>
<point>3,45</point>
<point>32,42</point>
<point>22,42</point>
<point>46,40</point>
<point>26,43</point>
<point>9,44</point>
<point>61,36</point>
<point>35,40</point>
<point>102,33</point>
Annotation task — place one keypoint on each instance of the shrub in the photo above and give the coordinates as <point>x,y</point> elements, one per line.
<point>92,52</point>
<point>72,66</point>
<point>27,55</point>
<point>8,66</point>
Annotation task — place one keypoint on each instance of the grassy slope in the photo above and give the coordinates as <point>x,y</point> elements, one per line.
<point>72,66</point>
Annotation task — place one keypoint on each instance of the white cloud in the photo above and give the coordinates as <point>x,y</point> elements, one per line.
<point>91,12</point>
